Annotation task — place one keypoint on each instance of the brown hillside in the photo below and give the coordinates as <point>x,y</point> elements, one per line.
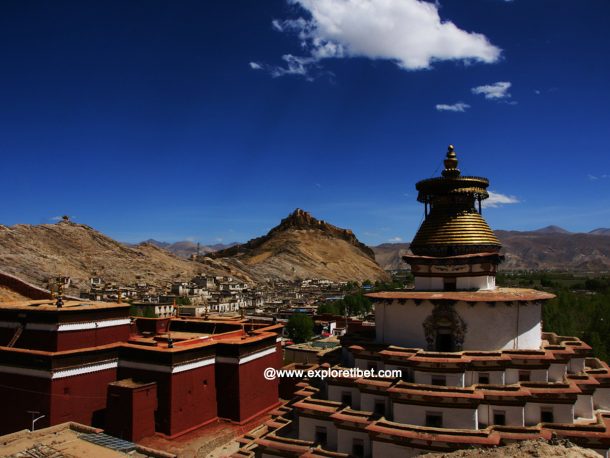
<point>38,252</point>
<point>304,247</point>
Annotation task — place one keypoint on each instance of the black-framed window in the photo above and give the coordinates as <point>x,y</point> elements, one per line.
<point>546,415</point>
<point>524,376</point>
<point>499,417</point>
<point>380,407</point>
<point>434,419</point>
<point>358,448</point>
<point>321,436</point>
<point>346,398</point>
<point>439,380</point>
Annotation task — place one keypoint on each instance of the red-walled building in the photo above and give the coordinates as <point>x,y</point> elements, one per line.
<point>92,363</point>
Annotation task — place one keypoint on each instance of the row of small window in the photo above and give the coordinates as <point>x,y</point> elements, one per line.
<point>435,419</point>
<point>441,380</point>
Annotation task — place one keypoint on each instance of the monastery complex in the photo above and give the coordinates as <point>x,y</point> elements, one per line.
<point>477,370</point>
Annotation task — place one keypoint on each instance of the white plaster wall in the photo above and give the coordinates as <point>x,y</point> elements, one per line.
<point>488,327</point>
<point>601,398</point>
<point>425,378</point>
<point>345,441</point>
<point>429,283</point>
<point>452,418</point>
<point>485,282</point>
<point>584,406</point>
<point>389,450</point>
<point>536,375</point>
<point>515,415</point>
<point>335,393</point>
<point>307,431</point>
<point>501,327</point>
<point>557,372</point>
<point>401,324</point>
<point>576,365</point>
<point>563,413</point>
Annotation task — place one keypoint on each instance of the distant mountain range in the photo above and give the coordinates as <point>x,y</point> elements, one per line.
<point>187,248</point>
<point>299,247</point>
<point>548,248</point>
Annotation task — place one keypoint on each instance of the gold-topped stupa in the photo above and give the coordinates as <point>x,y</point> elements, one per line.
<point>453,224</point>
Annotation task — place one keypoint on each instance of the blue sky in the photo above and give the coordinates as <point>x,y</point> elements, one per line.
<point>213,120</point>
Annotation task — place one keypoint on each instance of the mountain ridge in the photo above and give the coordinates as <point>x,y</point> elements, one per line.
<point>302,244</point>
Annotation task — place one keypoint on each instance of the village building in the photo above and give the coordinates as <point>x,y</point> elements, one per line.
<point>153,309</point>
<point>476,369</point>
<point>70,359</point>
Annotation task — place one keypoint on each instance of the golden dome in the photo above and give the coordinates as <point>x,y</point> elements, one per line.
<point>453,226</point>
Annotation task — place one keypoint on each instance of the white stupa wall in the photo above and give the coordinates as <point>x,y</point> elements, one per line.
<point>483,282</point>
<point>488,327</point>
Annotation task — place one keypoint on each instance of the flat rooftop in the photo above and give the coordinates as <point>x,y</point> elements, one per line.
<point>495,295</point>
<point>46,305</point>
<point>66,439</point>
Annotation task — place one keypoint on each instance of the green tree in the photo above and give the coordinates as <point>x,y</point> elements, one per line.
<point>329,307</point>
<point>300,327</point>
<point>183,300</point>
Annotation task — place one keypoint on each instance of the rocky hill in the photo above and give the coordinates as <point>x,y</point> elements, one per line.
<point>527,449</point>
<point>38,252</point>
<point>303,247</point>
<point>550,248</point>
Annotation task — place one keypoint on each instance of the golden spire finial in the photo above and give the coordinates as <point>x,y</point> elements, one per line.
<point>451,163</point>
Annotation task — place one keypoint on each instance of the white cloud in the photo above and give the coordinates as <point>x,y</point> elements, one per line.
<point>496,200</point>
<point>395,240</point>
<point>255,66</point>
<point>493,91</point>
<point>295,65</point>
<point>409,33</point>
<point>597,177</point>
<point>460,107</point>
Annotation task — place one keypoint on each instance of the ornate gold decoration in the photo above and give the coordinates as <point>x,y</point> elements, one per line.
<point>453,224</point>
